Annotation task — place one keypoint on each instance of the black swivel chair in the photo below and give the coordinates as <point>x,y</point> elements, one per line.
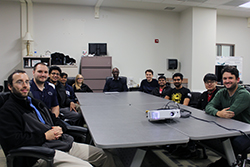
<point>194,99</point>
<point>193,103</point>
<point>70,80</point>
<point>1,88</point>
<point>44,153</point>
<point>122,78</point>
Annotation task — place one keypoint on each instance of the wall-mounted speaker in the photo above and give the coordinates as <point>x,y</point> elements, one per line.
<point>172,64</point>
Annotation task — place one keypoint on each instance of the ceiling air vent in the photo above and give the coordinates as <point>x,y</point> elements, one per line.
<point>169,8</point>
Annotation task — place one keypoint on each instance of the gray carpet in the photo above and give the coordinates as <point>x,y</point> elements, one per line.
<point>157,158</point>
<point>173,161</point>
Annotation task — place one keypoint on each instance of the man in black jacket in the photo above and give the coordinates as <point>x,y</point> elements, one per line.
<point>115,84</point>
<point>67,107</point>
<point>163,89</point>
<point>210,81</point>
<point>26,121</point>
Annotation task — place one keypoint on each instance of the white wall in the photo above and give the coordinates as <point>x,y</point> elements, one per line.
<point>234,30</point>
<point>10,41</point>
<point>130,35</point>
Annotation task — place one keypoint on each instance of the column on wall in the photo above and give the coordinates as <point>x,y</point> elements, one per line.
<point>26,23</point>
<point>198,45</point>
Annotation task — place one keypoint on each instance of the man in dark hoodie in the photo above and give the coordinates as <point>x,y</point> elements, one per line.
<point>210,81</point>
<point>26,121</point>
<point>67,106</point>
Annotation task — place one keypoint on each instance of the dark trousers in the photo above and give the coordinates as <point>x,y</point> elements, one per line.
<point>72,117</point>
<point>239,144</point>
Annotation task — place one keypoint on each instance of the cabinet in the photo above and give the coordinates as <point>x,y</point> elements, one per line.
<point>95,70</point>
<point>30,61</point>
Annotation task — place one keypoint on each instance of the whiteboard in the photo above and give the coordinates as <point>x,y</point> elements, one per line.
<point>236,61</point>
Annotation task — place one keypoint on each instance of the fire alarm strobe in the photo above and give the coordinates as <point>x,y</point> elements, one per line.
<point>162,114</point>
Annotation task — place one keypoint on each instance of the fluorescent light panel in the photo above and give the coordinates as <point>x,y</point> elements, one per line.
<point>245,5</point>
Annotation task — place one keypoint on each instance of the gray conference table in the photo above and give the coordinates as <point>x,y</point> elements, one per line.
<point>118,120</point>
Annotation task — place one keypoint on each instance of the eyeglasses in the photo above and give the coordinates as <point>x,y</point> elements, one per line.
<point>209,82</point>
<point>79,78</point>
<point>53,73</point>
<point>19,82</point>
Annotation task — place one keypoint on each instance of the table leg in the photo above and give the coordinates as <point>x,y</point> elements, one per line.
<point>229,152</point>
<point>138,158</point>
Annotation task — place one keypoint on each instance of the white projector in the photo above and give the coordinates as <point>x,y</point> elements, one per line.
<point>162,114</point>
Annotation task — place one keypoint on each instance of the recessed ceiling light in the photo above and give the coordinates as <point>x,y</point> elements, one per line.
<point>245,5</point>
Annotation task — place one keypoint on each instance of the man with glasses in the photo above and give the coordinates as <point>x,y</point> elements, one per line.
<point>179,94</point>
<point>67,107</point>
<point>116,83</point>
<point>25,121</point>
<point>210,81</point>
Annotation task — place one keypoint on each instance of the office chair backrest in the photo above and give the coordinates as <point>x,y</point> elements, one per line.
<point>4,97</point>
<point>194,99</point>
<point>71,80</point>
<point>247,88</point>
<point>6,89</point>
<point>122,78</point>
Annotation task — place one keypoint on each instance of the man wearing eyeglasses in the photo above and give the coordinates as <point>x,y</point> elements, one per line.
<point>210,81</point>
<point>67,107</point>
<point>25,121</point>
<point>179,94</point>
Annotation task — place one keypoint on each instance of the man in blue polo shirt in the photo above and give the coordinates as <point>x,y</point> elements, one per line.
<point>45,91</point>
<point>42,90</point>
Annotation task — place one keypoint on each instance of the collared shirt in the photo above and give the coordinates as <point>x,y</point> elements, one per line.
<point>70,93</point>
<point>48,95</point>
<point>209,95</point>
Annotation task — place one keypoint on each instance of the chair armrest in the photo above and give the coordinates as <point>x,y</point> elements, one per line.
<point>78,129</point>
<point>38,152</point>
<point>79,133</point>
<point>33,151</point>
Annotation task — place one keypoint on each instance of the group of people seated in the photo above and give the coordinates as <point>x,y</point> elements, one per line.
<point>31,117</point>
<point>24,121</point>
<point>230,102</point>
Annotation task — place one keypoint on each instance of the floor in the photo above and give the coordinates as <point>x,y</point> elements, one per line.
<point>2,159</point>
<point>158,158</point>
